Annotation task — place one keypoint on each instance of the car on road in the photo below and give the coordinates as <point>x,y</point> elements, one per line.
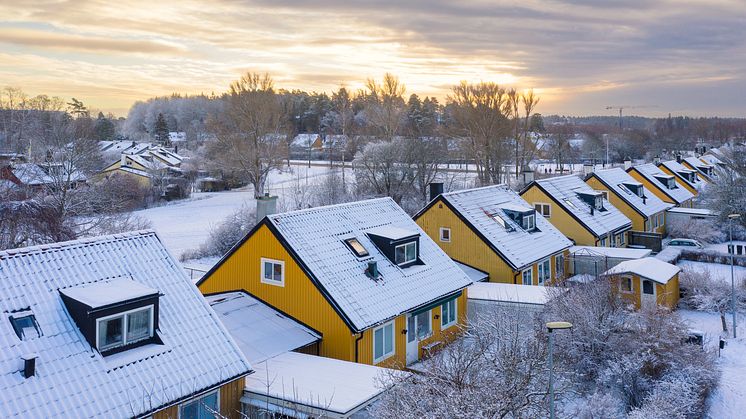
<point>685,243</point>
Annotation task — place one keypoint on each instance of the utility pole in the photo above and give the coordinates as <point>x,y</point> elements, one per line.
<point>732,250</point>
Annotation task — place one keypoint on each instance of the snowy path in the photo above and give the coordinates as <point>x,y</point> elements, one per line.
<point>729,399</point>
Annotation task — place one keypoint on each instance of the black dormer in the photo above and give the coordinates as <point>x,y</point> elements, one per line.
<point>668,181</point>
<point>523,216</point>
<point>635,188</point>
<point>594,199</point>
<point>115,315</point>
<point>401,247</point>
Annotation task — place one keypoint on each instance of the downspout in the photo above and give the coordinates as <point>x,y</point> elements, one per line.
<point>357,347</point>
<point>515,277</point>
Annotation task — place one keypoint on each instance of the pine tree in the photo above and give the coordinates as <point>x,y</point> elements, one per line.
<point>161,130</point>
<point>104,128</point>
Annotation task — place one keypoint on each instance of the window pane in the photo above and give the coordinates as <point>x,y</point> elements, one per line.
<point>411,332</point>
<point>423,325</point>
<point>378,343</point>
<point>207,405</point>
<point>189,410</point>
<point>411,252</point>
<point>110,333</point>
<point>277,272</point>
<point>138,325</point>
<point>267,270</point>
<point>399,255</point>
<point>388,339</point>
<point>444,313</point>
<point>647,287</point>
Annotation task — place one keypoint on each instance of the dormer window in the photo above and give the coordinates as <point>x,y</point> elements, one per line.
<point>594,199</point>
<point>406,253</point>
<point>114,315</point>
<point>634,188</point>
<point>25,325</point>
<point>124,329</point>
<point>529,222</point>
<point>668,181</point>
<point>357,248</point>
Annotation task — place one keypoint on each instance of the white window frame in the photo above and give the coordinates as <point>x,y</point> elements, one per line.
<point>125,323</point>
<point>413,243</point>
<point>631,284</point>
<point>385,355</point>
<point>196,399</point>
<point>530,271</point>
<point>443,239</point>
<point>443,325</point>
<point>544,265</point>
<point>622,239</point>
<point>531,226</point>
<point>544,209</point>
<point>264,280</point>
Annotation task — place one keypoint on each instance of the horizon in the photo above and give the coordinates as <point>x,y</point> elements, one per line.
<point>680,57</point>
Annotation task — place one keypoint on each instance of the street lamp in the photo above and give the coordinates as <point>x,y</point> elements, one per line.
<point>732,249</point>
<point>552,326</point>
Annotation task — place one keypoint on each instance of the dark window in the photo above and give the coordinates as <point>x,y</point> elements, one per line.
<point>647,287</point>
<point>25,326</point>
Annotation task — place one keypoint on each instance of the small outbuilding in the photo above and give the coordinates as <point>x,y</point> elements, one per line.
<point>647,282</point>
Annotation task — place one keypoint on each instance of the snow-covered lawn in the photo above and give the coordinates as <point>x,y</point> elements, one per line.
<point>184,225</point>
<point>729,399</point>
<point>717,271</point>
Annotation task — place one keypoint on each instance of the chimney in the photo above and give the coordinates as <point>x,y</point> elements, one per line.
<point>29,365</point>
<point>627,163</point>
<point>265,205</point>
<point>678,157</point>
<point>528,175</point>
<point>587,168</point>
<point>123,160</point>
<point>372,270</point>
<point>657,160</point>
<point>436,189</point>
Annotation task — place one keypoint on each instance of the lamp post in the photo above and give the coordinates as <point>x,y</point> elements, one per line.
<point>552,326</point>
<point>732,249</point>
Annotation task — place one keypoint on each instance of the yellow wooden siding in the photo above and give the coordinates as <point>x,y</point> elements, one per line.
<point>230,402</point>
<point>560,218</point>
<point>299,297</point>
<point>467,247</point>
<point>686,186</point>
<point>638,220</point>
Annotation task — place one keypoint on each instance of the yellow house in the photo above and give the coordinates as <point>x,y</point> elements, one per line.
<point>363,275</point>
<point>663,185</point>
<point>579,212</point>
<point>632,198</point>
<point>685,177</point>
<point>494,230</point>
<point>705,171</point>
<point>647,282</point>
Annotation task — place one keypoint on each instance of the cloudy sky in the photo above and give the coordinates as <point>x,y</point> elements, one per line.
<point>656,56</point>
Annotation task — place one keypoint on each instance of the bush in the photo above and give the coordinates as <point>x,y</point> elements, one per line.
<point>703,230</point>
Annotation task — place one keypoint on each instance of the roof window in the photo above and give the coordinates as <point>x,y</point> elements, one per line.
<point>399,245</point>
<point>634,188</point>
<point>357,248</point>
<point>523,216</point>
<point>25,325</point>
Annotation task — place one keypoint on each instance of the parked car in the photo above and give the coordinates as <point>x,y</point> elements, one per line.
<point>685,243</point>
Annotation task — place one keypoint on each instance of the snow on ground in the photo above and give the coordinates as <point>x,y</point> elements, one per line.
<point>718,271</point>
<point>729,398</point>
<point>184,225</point>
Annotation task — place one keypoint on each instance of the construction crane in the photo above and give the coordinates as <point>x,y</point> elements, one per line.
<point>626,107</point>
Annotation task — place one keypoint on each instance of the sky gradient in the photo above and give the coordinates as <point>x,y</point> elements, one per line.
<point>680,56</point>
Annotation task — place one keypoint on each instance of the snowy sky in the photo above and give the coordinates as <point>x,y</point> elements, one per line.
<point>679,56</point>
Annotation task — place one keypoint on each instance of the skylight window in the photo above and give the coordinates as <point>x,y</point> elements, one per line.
<point>499,220</point>
<point>25,325</point>
<point>570,204</point>
<point>357,247</point>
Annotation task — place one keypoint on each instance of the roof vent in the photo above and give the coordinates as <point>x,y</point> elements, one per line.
<point>372,270</point>
<point>29,365</point>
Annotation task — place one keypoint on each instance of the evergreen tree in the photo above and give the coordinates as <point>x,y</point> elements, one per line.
<point>104,128</point>
<point>161,130</point>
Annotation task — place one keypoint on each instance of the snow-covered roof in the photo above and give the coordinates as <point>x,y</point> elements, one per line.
<point>697,163</point>
<point>31,174</point>
<point>711,159</point>
<point>391,232</point>
<point>104,293</point>
<point>474,274</point>
<point>315,384</point>
<point>518,247</point>
<point>509,293</point>
<point>615,178</point>
<point>72,379</point>
<point>565,189</point>
<point>304,140</point>
<point>335,140</point>
<point>680,170</point>
<point>611,252</point>
<point>147,161</point>
<point>694,211</point>
<point>177,137</point>
<point>653,174</point>
<point>259,330</point>
<point>134,171</point>
<point>316,236</point>
<point>649,268</point>
<point>167,156</point>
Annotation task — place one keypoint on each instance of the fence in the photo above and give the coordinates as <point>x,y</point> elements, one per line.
<point>652,241</point>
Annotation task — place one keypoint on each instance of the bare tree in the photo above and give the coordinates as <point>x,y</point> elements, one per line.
<point>248,135</point>
<point>558,145</point>
<point>384,106</point>
<point>480,114</point>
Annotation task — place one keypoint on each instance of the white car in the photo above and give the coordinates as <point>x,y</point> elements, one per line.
<point>685,243</point>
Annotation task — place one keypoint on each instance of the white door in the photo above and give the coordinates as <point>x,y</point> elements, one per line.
<point>647,296</point>
<point>412,341</point>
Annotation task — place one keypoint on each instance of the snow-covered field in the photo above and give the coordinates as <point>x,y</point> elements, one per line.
<point>729,399</point>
